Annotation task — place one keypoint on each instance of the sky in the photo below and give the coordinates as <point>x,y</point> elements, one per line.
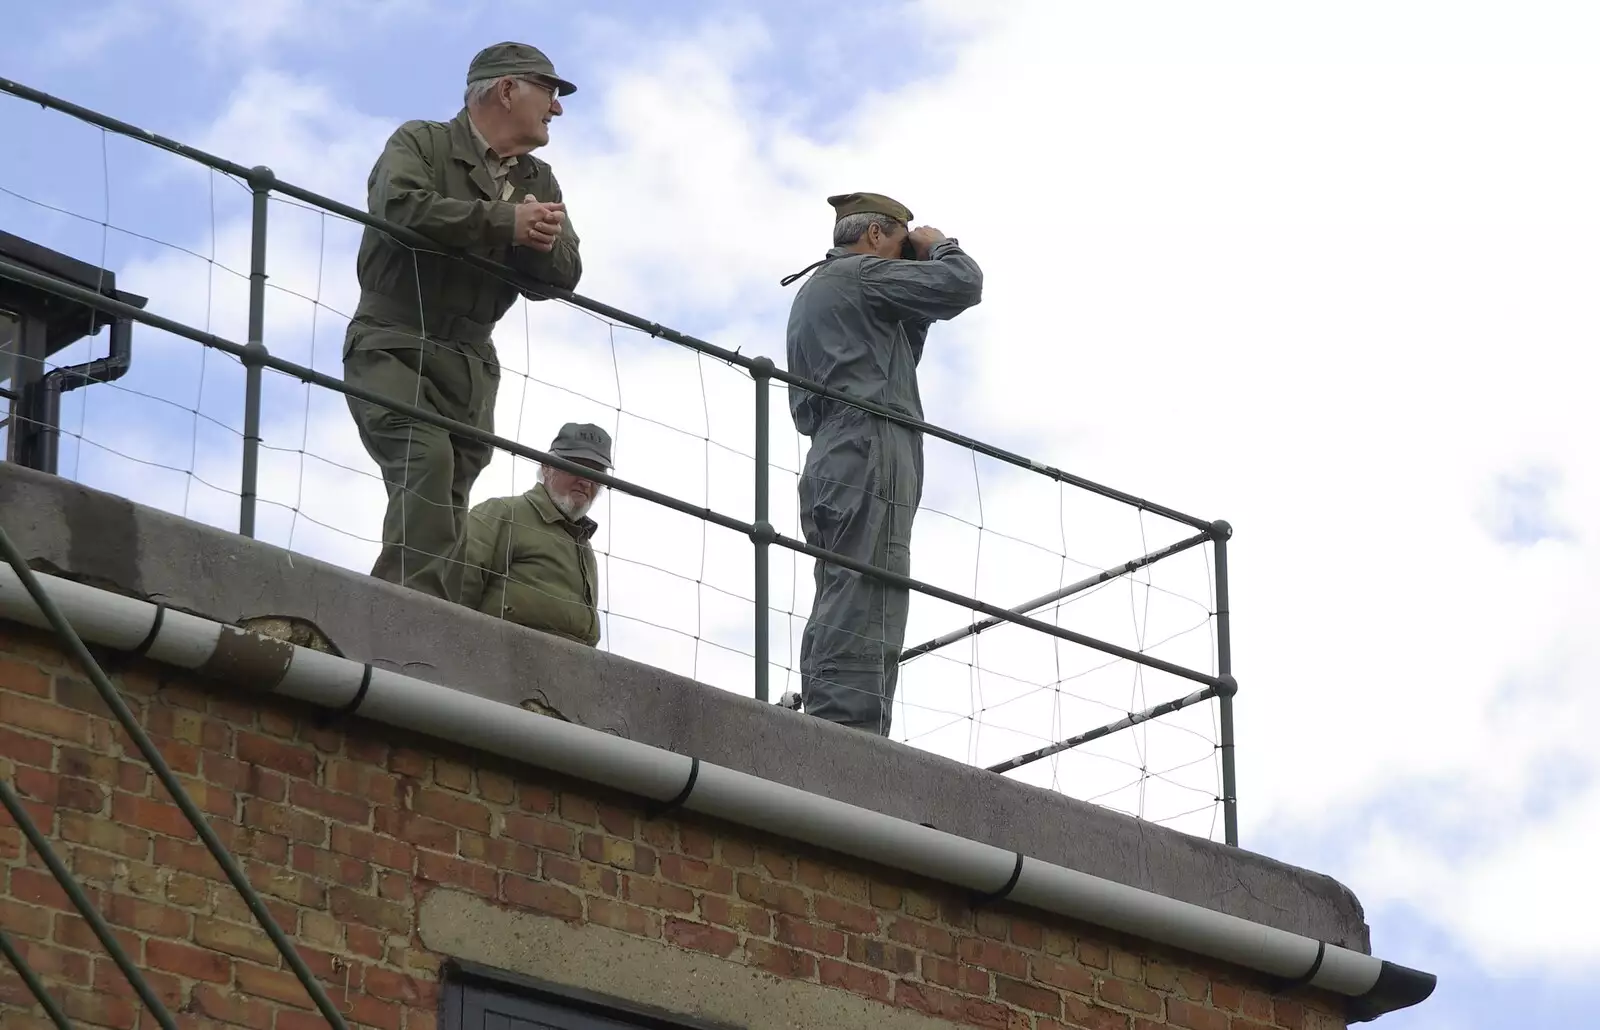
<point>1323,272</point>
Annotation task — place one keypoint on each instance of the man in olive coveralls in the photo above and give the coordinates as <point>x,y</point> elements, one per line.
<point>421,330</point>
<point>528,557</point>
<point>858,325</point>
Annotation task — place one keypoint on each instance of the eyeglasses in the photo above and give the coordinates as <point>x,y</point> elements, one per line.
<point>547,87</point>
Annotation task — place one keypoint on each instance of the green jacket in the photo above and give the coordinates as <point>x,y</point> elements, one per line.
<point>529,564</point>
<point>431,178</point>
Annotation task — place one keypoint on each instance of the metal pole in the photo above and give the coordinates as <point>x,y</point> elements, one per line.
<point>1056,595</point>
<point>1230,793</point>
<point>1131,719</point>
<point>761,535</point>
<point>76,648</point>
<point>34,985</point>
<point>85,907</point>
<point>260,190</point>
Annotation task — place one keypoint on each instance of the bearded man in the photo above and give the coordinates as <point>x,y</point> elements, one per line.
<point>528,556</point>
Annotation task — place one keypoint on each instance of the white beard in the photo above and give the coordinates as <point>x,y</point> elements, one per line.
<point>569,505</point>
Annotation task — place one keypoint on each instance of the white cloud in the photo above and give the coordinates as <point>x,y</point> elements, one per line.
<point>1324,277</point>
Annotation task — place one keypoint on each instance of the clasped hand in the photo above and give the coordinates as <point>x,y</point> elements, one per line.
<point>538,223</point>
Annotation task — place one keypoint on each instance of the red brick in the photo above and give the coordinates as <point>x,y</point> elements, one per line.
<point>81,795</point>
<point>408,762</point>
<point>452,775</point>
<point>330,866</point>
<point>623,854</point>
<point>37,887</point>
<point>286,822</point>
<point>700,937</point>
<point>995,956</point>
<point>929,1000</point>
<point>590,877</point>
<point>451,809</point>
<point>736,853</point>
<point>692,872</point>
<point>415,829</point>
<point>145,917</point>
<point>186,961</point>
<point>776,896</point>
<point>499,853</point>
<point>541,897</point>
<point>696,843</point>
<point>1172,980</point>
<point>479,879</point>
<point>370,847</point>
<point>23,678</point>
<point>232,1007</point>
<point>923,936</point>
<point>575,808</point>
<point>1257,1006</point>
<point>848,916</point>
<point>799,933</point>
<point>657,895</point>
<point>956,976</point>
<point>252,780</point>
<point>496,787</point>
<point>344,807</point>
<point>1194,1017</point>
<point>618,822</point>
<point>533,798</point>
<point>384,1015</point>
<point>1065,975</point>
<point>1096,955</point>
<point>24,920</point>
<point>777,865</point>
<point>659,834</point>
<point>364,941</point>
<point>25,750</point>
<point>728,913</point>
<point>369,911</point>
<point>779,960</point>
<point>103,834</point>
<point>363,781</point>
<point>541,833</point>
<point>1027,996</point>
<point>396,987</point>
<point>290,759</point>
<point>248,942</point>
<point>1290,1015</point>
<point>53,963</point>
<point>1125,995</point>
<point>71,931</point>
<point>628,918</point>
<point>274,985</point>
<point>866,982</point>
<point>99,1009</point>
<point>992,925</point>
<point>882,895</point>
<point>1029,936</point>
<point>866,951</point>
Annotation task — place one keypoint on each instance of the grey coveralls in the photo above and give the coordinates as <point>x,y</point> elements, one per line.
<point>858,325</point>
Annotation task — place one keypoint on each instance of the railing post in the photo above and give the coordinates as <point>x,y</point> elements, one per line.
<point>261,180</point>
<point>762,532</point>
<point>1221,531</point>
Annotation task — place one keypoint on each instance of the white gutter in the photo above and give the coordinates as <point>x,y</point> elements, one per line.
<point>669,780</point>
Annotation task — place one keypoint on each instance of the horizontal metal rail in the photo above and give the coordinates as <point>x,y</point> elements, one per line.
<point>263,178</point>
<point>119,709</point>
<point>758,533</point>
<point>1056,595</point>
<point>1131,719</point>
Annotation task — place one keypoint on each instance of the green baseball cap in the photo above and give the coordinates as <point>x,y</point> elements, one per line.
<point>516,59</point>
<point>586,443</point>
<point>847,204</point>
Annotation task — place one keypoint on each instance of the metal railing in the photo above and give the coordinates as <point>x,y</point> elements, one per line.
<point>13,804</point>
<point>255,357</point>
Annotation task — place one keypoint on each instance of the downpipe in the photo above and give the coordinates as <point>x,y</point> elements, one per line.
<point>667,781</point>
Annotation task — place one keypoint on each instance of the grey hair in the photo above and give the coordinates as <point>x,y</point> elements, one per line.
<point>478,89</point>
<point>851,228</point>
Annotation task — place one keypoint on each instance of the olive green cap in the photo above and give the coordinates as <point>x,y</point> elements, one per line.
<point>847,204</point>
<point>516,59</point>
<point>586,444</point>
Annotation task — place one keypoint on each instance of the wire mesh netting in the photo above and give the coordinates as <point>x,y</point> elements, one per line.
<point>673,591</point>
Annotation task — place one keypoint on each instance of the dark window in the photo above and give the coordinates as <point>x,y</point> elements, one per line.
<point>478,998</point>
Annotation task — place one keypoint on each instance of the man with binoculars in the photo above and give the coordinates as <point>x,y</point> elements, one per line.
<point>858,326</point>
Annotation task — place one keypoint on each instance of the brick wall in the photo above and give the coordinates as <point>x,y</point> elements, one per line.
<point>347,828</point>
